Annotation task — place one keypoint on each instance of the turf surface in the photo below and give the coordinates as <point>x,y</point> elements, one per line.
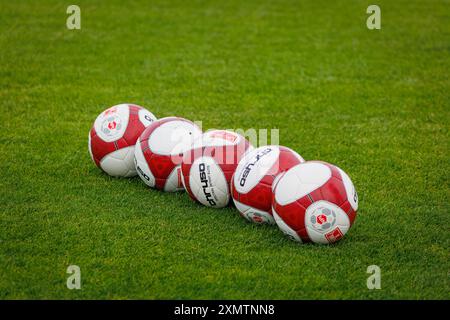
<point>376,103</point>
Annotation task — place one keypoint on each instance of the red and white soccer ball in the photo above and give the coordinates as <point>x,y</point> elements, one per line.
<point>314,202</point>
<point>159,152</point>
<point>208,166</point>
<point>251,186</point>
<point>113,136</point>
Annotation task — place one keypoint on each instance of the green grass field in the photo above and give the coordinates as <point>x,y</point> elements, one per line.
<point>374,102</point>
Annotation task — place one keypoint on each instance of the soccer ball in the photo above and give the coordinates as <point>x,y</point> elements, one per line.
<point>251,186</point>
<point>113,136</point>
<point>208,166</point>
<point>159,151</point>
<point>314,202</point>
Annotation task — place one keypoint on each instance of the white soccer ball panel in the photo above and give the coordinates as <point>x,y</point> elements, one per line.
<point>217,138</point>
<point>173,137</point>
<point>112,123</point>
<point>146,117</point>
<point>119,163</point>
<point>253,214</point>
<point>322,219</point>
<point>142,167</point>
<point>300,180</point>
<point>352,196</point>
<point>90,148</point>
<point>285,228</point>
<point>208,183</point>
<point>172,180</point>
<point>254,166</point>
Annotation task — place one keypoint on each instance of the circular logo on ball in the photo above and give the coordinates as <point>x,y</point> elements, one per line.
<point>111,125</point>
<point>323,219</point>
<point>256,217</point>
